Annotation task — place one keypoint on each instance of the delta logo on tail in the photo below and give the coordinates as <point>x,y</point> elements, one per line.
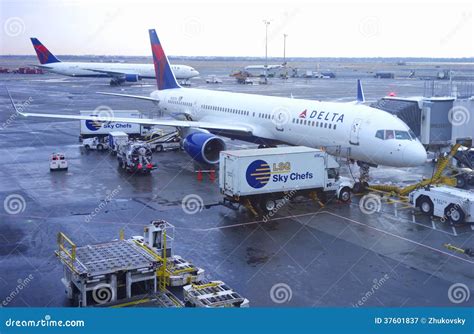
<point>44,55</point>
<point>164,76</point>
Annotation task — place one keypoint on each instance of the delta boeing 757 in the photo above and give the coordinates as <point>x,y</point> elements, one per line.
<point>370,136</point>
<point>118,72</point>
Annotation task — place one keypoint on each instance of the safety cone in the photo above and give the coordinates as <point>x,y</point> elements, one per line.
<point>199,175</point>
<point>212,175</point>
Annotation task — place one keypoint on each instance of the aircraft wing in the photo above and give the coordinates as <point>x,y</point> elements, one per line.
<point>110,73</point>
<point>148,121</point>
<point>215,127</point>
<point>130,96</point>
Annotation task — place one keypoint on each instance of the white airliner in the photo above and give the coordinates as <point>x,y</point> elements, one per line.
<point>370,136</point>
<point>263,67</point>
<point>119,72</point>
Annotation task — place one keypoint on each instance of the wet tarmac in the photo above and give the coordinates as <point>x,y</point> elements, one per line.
<point>331,256</point>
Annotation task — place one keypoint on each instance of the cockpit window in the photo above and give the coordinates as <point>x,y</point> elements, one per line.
<point>389,134</point>
<point>403,135</point>
<point>395,134</point>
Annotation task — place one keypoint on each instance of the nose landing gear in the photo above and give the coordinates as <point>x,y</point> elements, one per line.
<point>363,184</point>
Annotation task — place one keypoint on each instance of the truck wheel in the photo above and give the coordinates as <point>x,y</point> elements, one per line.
<point>100,147</point>
<point>345,194</point>
<point>426,206</point>
<point>159,148</point>
<point>267,205</point>
<point>87,147</point>
<point>120,163</point>
<point>455,214</point>
<point>460,182</point>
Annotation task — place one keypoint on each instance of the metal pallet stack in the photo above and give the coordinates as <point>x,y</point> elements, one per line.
<point>213,294</point>
<point>137,271</point>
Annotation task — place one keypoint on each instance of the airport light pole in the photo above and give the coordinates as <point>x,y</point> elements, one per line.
<point>267,23</point>
<point>284,48</point>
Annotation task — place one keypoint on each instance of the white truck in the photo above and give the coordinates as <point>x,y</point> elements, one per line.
<point>165,141</point>
<point>259,178</point>
<point>448,203</point>
<point>117,139</point>
<point>57,162</point>
<point>95,143</point>
<point>91,128</point>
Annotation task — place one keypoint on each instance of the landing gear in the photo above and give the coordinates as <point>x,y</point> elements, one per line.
<point>363,184</point>
<point>116,82</point>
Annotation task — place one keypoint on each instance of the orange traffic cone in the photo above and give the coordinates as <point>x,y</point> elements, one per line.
<point>212,175</point>
<point>199,175</point>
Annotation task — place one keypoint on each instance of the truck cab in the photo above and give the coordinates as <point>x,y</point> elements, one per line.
<point>95,143</point>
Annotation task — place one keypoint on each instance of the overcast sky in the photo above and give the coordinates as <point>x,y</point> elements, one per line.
<point>402,28</point>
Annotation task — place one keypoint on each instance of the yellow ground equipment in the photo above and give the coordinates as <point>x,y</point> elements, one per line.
<point>437,178</point>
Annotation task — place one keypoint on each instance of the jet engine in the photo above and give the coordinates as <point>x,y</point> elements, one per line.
<point>203,147</point>
<point>131,77</point>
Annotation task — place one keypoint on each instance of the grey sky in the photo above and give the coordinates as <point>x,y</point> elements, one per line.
<point>315,29</point>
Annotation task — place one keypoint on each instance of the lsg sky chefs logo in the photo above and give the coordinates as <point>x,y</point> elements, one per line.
<point>94,125</point>
<point>259,173</point>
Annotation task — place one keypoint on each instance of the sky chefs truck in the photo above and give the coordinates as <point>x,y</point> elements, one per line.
<point>259,178</point>
<point>91,128</point>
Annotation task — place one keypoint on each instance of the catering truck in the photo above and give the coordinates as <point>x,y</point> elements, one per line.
<point>91,128</point>
<point>260,178</point>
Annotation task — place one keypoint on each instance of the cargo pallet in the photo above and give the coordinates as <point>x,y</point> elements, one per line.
<point>213,294</point>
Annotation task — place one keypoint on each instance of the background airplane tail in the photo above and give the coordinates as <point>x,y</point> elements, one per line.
<point>165,78</point>
<point>44,56</point>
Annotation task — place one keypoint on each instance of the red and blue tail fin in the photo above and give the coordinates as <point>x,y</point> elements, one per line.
<point>44,56</point>
<point>165,78</point>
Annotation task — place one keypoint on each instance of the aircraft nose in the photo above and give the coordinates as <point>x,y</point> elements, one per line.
<point>414,154</point>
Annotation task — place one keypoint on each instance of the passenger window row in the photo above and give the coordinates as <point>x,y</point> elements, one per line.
<point>227,110</point>
<point>188,104</point>
<point>314,123</point>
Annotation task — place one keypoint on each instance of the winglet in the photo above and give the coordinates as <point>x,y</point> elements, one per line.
<point>44,55</point>
<point>360,92</point>
<point>13,103</point>
<point>165,78</point>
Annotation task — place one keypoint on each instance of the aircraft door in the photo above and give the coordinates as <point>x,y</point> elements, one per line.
<point>355,129</point>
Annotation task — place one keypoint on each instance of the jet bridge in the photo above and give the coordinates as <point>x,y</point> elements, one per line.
<point>428,118</point>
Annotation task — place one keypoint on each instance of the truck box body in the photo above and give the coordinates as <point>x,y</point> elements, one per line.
<point>91,128</point>
<point>116,139</point>
<point>261,171</point>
